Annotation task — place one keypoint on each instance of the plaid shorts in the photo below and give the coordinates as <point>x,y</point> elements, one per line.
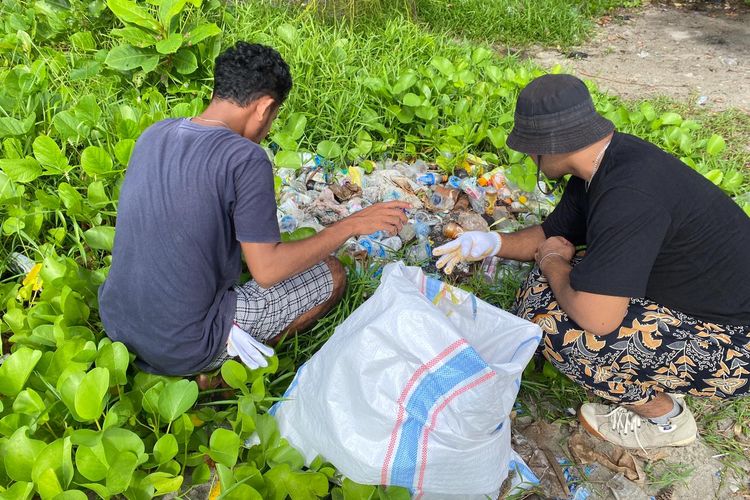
<point>265,312</point>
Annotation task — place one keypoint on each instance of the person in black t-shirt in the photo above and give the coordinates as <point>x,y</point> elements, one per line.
<point>660,301</point>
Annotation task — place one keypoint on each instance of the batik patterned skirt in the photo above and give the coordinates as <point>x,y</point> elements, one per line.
<point>655,349</point>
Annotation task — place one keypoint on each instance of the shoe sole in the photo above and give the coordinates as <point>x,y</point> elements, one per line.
<point>599,435</point>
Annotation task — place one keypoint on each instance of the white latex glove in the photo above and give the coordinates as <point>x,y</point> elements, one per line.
<point>251,352</point>
<point>469,246</point>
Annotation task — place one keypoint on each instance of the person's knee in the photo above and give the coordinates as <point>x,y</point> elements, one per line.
<point>338,274</point>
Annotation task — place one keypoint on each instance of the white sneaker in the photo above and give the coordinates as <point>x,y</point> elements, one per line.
<point>625,428</point>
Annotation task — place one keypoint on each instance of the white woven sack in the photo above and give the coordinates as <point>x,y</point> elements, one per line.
<point>413,389</point>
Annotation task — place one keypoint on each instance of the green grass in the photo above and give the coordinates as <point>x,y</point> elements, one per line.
<point>725,426</point>
<point>732,124</point>
<point>505,22</point>
<point>661,475</point>
<point>515,22</point>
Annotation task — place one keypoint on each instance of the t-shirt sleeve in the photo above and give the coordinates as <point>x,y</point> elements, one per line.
<point>568,219</point>
<point>625,234</point>
<point>255,202</point>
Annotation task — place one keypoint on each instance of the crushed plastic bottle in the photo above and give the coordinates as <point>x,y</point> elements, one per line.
<point>475,194</point>
<point>380,249</point>
<point>422,229</point>
<point>19,263</point>
<point>354,205</point>
<point>490,268</point>
<point>421,251</point>
<point>407,233</point>
<point>372,247</point>
<point>378,235</point>
<point>426,218</point>
<point>454,182</point>
<point>442,199</point>
<point>287,224</point>
<point>392,243</point>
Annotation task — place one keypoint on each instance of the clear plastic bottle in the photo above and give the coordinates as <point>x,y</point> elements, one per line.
<point>392,243</point>
<point>422,229</point>
<point>372,247</point>
<point>430,179</point>
<point>421,251</point>
<point>19,263</point>
<point>475,194</point>
<point>287,224</point>
<point>454,182</point>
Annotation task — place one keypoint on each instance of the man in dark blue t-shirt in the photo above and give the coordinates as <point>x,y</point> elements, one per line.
<point>659,303</point>
<point>197,197</point>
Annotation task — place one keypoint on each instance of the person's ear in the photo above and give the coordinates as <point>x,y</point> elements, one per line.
<point>264,108</point>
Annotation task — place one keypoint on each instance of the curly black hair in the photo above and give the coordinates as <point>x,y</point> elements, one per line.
<point>249,71</point>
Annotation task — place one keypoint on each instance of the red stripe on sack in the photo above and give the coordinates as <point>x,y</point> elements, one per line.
<point>401,409</point>
<point>428,428</point>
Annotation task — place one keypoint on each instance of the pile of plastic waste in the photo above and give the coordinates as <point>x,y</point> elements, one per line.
<point>476,197</point>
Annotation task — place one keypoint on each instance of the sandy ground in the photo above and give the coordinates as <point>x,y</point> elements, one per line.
<point>697,56</point>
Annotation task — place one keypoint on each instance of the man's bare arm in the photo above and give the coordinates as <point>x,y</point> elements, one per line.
<point>521,245</point>
<point>596,313</point>
<point>271,263</point>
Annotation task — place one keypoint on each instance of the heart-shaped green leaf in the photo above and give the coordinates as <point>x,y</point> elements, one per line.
<point>91,392</point>
<point>16,369</point>
<point>224,447</point>
<point>176,398</point>
<point>234,374</point>
<point>287,159</point>
<point>185,61</point>
<point>165,449</point>
<point>715,145</point>
<point>96,161</point>
<point>100,237</point>
<point>20,454</point>
<point>120,474</point>
<point>49,155</point>
<point>22,169</point>
<point>329,150</point>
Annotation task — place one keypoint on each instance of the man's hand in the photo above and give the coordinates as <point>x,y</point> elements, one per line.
<point>388,217</point>
<point>271,263</point>
<point>470,246</point>
<point>556,247</point>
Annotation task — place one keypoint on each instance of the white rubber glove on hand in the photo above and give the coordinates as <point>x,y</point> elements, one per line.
<point>251,352</point>
<point>469,246</point>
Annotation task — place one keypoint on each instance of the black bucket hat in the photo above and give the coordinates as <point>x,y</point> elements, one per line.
<point>555,114</point>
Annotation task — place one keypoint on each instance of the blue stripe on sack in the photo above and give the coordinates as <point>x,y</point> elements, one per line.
<point>533,339</point>
<point>432,288</point>
<point>431,388</point>
<point>287,392</point>
<point>525,474</point>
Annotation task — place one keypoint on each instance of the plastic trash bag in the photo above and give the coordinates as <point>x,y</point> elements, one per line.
<point>414,389</point>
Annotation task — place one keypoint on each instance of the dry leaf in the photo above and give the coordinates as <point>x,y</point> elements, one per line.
<point>588,449</point>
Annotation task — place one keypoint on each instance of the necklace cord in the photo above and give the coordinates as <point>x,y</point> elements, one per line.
<point>225,124</point>
<point>597,162</point>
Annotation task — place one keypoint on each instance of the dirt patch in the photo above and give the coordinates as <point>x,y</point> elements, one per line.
<point>546,448</point>
<point>700,57</point>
